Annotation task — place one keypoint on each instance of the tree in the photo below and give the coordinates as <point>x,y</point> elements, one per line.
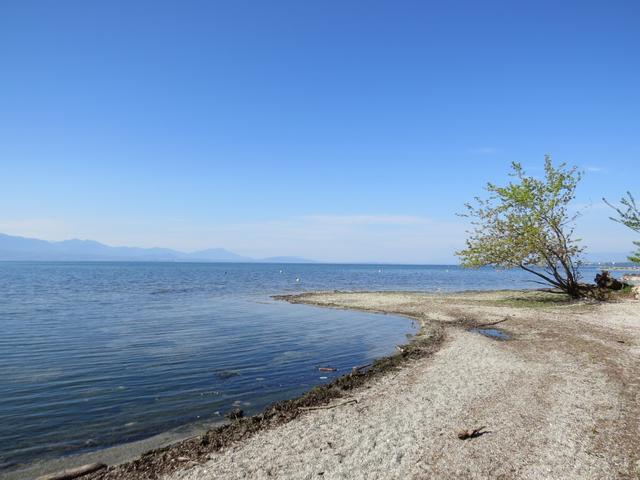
<point>630,216</point>
<point>527,224</point>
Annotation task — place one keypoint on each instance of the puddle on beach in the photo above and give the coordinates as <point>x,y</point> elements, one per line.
<point>494,333</point>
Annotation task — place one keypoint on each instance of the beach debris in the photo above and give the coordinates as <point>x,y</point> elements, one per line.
<point>605,280</point>
<point>328,407</point>
<point>72,473</point>
<point>466,434</point>
<point>358,369</point>
<point>490,324</point>
<point>227,374</point>
<point>634,282</point>
<point>400,349</point>
<point>327,369</point>
<point>235,413</point>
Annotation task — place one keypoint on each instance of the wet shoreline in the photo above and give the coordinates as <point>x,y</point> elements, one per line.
<point>142,458</point>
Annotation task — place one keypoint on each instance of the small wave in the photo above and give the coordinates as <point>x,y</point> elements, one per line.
<point>165,291</point>
<point>227,374</point>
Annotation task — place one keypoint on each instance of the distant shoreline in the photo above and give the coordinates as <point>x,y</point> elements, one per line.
<point>23,249</point>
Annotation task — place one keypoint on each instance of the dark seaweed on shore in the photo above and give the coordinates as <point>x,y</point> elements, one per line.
<point>156,463</point>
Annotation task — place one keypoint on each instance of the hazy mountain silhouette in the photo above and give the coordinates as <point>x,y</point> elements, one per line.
<point>219,254</point>
<point>22,248</point>
<point>286,260</point>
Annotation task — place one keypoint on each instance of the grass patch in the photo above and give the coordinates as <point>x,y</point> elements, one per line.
<point>537,299</point>
<point>625,293</point>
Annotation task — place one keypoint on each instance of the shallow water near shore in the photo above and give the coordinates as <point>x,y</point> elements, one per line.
<point>494,333</point>
<point>95,355</point>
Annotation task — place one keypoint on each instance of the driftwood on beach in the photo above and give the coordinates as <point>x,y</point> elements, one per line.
<point>476,432</point>
<point>358,369</point>
<point>328,407</point>
<point>73,473</point>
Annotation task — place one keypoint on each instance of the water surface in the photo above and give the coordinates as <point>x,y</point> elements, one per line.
<point>94,355</point>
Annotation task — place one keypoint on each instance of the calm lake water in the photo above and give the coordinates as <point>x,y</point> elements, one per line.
<point>98,354</point>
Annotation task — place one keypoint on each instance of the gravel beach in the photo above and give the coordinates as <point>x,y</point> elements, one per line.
<point>496,385</point>
<point>558,399</point>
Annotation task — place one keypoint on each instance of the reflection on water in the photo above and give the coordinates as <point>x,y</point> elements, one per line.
<point>494,333</point>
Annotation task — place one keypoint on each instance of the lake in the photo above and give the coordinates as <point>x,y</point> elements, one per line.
<point>95,355</point>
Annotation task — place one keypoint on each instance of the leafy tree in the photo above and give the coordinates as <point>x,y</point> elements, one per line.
<point>527,224</point>
<point>628,215</point>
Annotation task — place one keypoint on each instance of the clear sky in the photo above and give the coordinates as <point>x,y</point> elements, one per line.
<point>335,130</point>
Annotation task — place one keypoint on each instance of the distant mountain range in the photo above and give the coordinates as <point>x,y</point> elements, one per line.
<point>21,248</point>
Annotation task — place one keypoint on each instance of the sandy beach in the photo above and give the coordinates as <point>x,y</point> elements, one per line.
<point>557,399</point>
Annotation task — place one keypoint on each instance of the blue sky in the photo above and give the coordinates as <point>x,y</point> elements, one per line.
<point>336,130</point>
